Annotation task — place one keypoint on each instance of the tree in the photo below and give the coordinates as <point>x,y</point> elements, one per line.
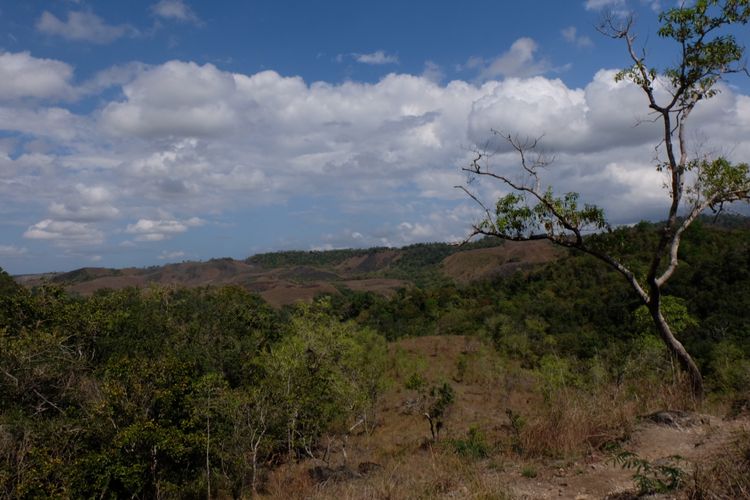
<point>707,52</point>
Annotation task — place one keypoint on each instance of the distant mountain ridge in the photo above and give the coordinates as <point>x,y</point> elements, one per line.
<point>285,277</point>
<point>288,276</point>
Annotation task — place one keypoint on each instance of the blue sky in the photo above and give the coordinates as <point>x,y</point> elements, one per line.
<point>143,132</point>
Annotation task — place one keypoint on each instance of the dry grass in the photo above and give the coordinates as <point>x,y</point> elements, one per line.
<point>546,435</point>
<point>575,422</point>
<point>726,474</point>
<point>429,472</point>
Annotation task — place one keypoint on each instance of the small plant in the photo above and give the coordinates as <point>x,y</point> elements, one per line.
<point>441,398</point>
<point>516,425</point>
<point>651,478</point>
<point>415,382</point>
<point>473,446</point>
<point>461,365</point>
<point>528,472</point>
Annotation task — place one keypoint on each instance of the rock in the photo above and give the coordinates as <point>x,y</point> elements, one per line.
<point>676,418</point>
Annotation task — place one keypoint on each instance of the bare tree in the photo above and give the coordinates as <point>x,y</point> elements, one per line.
<point>707,52</point>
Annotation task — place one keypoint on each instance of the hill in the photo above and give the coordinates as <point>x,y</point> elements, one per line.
<point>283,278</point>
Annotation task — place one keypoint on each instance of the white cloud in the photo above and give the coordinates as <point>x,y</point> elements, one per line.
<point>161,229</point>
<point>113,76</point>
<point>378,57</point>
<point>85,204</point>
<point>570,35</point>
<point>601,116</point>
<point>175,9</point>
<point>55,123</point>
<point>518,61</point>
<point>186,139</point>
<point>22,75</point>
<point>409,232</point>
<point>176,98</point>
<point>65,233</point>
<point>81,26</point>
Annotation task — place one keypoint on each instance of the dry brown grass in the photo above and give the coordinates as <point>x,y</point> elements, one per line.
<point>482,263</point>
<point>575,421</point>
<point>726,474</point>
<point>426,473</point>
<point>562,432</point>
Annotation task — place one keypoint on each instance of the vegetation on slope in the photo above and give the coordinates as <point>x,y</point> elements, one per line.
<point>179,391</point>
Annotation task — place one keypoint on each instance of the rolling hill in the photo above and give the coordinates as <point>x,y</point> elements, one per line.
<point>283,278</point>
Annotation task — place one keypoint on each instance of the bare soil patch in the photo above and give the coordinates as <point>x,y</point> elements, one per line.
<point>503,260</point>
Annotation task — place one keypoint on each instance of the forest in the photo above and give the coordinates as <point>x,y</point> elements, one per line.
<point>177,392</point>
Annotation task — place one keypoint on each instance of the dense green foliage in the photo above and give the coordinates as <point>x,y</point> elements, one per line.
<point>578,307</point>
<point>148,393</point>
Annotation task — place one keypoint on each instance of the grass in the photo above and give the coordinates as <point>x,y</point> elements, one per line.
<point>727,475</point>
<point>504,424</point>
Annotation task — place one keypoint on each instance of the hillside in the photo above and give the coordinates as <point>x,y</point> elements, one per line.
<point>543,383</point>
<point>283,278</point>
<point>489,395</point>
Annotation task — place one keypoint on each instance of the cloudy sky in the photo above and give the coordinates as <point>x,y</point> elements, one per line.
<point>143,132</point>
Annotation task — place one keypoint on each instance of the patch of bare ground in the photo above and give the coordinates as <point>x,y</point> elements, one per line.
<point>559,452</point>
<point>370,262</point>
<point>280,287</point>
<point>483,263</point>
<point>283,293</point>
<point>382,286</point>
<point>108,282</point>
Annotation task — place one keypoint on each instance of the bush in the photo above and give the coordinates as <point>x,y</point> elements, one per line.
<point>473,446</point>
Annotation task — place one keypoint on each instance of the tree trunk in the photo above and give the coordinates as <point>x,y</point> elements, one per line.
<point>678,350</point>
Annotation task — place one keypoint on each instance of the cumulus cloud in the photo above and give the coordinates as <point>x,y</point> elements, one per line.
<point>176,10</point>
<point>65,233</point>
<point>176,98</point>
<point>185,139</point>
<point>85,204</point>
<point>603,115</point>
<point>518,61</point>
<point>113,76</point>
<point>161,229</point>
<point>22,75</point>
<point>54,123</point>
<point>81,26</point>
<point>378,57</point>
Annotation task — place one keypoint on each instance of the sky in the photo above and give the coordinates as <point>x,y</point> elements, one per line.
<point>151,131</point>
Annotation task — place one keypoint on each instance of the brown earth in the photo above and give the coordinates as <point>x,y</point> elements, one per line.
<point>286,285</point>
<point>503,260</point>
<point>398,459</point>
<point>368,263</point>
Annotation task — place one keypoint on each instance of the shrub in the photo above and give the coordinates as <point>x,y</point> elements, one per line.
<point>474,445</point>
